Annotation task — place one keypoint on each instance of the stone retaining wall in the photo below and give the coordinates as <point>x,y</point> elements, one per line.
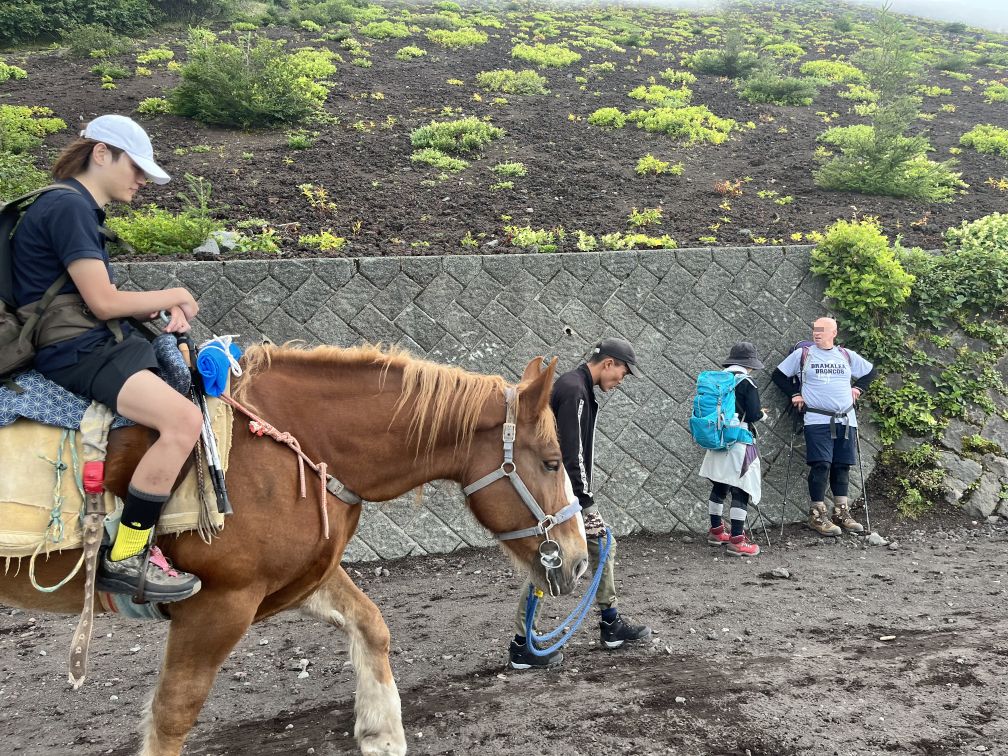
<point>682,309</point>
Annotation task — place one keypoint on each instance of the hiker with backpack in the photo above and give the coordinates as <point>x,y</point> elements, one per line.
<point>731,464</point>
<point>59,266</point>
<point>576,410</point>
<point>818,376</point>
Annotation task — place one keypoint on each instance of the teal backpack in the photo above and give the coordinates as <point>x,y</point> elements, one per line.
<point>713,423</point>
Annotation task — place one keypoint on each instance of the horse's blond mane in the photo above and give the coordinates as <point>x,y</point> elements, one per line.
<point>441,397</point>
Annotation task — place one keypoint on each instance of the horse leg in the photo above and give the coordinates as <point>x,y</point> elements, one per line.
<point>197,646</point>
<point>339,602</point>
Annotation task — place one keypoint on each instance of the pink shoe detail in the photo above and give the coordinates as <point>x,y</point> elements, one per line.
<point>159,560</point>
<point>740,546</point>
<point>718,536</point>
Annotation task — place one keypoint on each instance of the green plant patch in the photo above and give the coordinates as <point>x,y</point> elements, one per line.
<point>770,87</point>
<point>8,72</point>
<point>833,70</point>
<point>454,137</point>
<point>439,160</point>
<point>987,138</point>
<point>155,55</point>
<point>786,51</point>
<point>691,124</point>
<point>536,240</point>
<point>996,92</point>
<point>545,55</point>
<point>620,241</point>
<point>526,82</point>
<point>409,53</point>
<point>23,128</point>
<point>674,77</point>
<point>650,165</point>
<point>659,94</point>
<point>456,39</point>
<point>722,63</point>
<point>18,175</point>
<point>153,106</point>
<point>94,41</point>
<point>608,118</point>
<point>513,170</point>
<point>385,30</point>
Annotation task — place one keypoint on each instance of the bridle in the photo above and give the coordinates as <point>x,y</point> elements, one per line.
<point>550,553</point>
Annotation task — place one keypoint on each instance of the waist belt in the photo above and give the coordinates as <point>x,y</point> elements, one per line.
<point>64,317</point>
<point>833,416</point>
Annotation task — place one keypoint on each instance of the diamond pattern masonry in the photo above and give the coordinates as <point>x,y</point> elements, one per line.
<point>680,308</point>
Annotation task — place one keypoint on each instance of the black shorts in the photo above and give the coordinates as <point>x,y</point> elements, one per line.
<point>100,374</point>
<point>819,447</point>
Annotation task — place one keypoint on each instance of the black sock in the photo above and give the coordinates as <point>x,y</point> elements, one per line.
<point>737,527</point>
<point>715,521</point>
<point>142,510</point>
<point>520,640</point>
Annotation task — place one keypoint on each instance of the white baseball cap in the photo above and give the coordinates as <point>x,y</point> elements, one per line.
<point>126,134</point>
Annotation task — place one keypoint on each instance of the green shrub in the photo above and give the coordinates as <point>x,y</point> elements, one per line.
<point>649,164</point>
<point>674,77</point>
<point>153,106</point>
<point>458,38</point>
<point>455,137</point>
<point>987,138</point>
<point>94,40</point>
<point>513,82</point>
<point>326,241</point>
<point>609,118</point>
<point>996,92</point>
<point>659,94</point>
<point>618,241</point>
<point>933,91</point>
<point>770,87</point>
<point>786,51</point>
<point>385,30</point>
<point>8,72</point>
<point>535,239</point>
<point>18,175</point>
<point>919,476</point>
<point>300,139</point>
<point>833,70</point>
<point>327,12</point>
<point>154,230</point>
<point>691,124</point>
<point>23,128</point>
<point>510,169</point>
<point>155,55</point>
<point>439,159</point>
<point>250,84</point>
<point>409,52</point>
<point>858,93</point>
<point>721,63</point>
<point>110,71</point>
<point>866,281</point>
<point>544,55</point>
<point>955,61</point>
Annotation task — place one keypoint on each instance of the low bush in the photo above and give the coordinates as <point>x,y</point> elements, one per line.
<point>608,118</point>
<point>8,72</point>
<point>94,41</point>
<point>458,38</point>
<point>996,92</point>
<point>659,94</point>
<point>544,55</point>
<point>722,63</point>
<point>650,165</point>
<point>155,55</point>
<point>23,128</point>
<point>678,77</point>
<point>833,70</point>
<point>692,124</point>
<point>526,82</point>
<point>153,106</point>
<point>987,138</point>
<point>513,170</point>
<point>154,230</point>
<point>619,241</point>
<point>325,241</point>
<point>454,137</point>
<point>251,84</point>
<point>385,30</point>
<point>770,87</point>
<point>439,160</point>
<point>18,175</point>
<point>536,240</point>
<point>786,51</point>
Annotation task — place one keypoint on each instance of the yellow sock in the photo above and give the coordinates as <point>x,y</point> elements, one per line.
<point>129,542</point>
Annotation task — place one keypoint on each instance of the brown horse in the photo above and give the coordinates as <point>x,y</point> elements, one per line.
<point>385,423</point>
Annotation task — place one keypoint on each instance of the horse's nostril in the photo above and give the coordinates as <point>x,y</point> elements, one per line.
<point>580,568</point>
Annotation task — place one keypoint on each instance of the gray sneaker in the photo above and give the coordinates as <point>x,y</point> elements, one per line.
<point>163,582</point>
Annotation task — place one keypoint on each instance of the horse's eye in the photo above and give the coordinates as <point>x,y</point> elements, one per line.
<point>551,464</point>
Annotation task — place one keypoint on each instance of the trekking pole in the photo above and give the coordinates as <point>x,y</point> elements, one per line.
<point>864,486</point>
<point>787,475</point>
<point>762,520</point>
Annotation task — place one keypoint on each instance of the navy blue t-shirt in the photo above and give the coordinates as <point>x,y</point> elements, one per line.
<point>56,229</point>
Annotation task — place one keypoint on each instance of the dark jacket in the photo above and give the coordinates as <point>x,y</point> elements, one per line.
<point>747,403</point>
<point>573,402</point>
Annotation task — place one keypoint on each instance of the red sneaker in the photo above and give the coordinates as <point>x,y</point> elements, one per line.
<point>739,546</point>
<point>718,536</point>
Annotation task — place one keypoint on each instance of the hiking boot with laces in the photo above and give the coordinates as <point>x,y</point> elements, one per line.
<point>163,582</point>
<point>742,547</point>
<point>819,521</point>
<point>616,633</point>
<point>718,536</point>
<point>521,658</point>
<point>842,517</point>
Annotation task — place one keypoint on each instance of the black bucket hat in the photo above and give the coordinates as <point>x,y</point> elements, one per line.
<point>743,354</point>
<point>618,349</point>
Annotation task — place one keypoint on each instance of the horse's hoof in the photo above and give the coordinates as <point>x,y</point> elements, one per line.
<point>383,744</point>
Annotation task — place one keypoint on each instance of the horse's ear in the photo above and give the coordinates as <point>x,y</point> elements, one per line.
<point>536,394</point>
<point>533,369</point>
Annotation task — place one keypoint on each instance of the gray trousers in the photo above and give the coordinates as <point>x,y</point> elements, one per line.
<point>605,598</point>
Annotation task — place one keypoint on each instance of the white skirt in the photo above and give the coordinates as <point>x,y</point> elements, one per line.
<point>726,467</point>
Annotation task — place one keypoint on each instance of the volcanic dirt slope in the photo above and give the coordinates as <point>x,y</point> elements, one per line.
<point>742,662</point>
<point>579,176</point>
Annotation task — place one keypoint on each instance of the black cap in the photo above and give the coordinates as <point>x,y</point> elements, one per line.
<point>618,349</point>
<point>743,354</point>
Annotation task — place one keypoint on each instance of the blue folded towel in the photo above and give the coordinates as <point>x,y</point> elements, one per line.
<point>213,364</point>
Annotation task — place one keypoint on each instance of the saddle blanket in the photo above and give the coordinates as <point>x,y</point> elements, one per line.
<point>40,504</point>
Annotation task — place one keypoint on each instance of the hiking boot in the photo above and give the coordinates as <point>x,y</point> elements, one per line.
<point>521,658</point>
<point>742,547</point>
<point>616,633</point>
<point>819,521</point>
<point>843,518</point>
<point>163,582</point>
<point>718,536</point>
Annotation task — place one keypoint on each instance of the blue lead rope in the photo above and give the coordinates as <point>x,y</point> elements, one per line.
<point>577,615</point>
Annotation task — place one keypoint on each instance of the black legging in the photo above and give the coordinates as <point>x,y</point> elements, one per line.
<point>719,493</point>
<point>838,477</point>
